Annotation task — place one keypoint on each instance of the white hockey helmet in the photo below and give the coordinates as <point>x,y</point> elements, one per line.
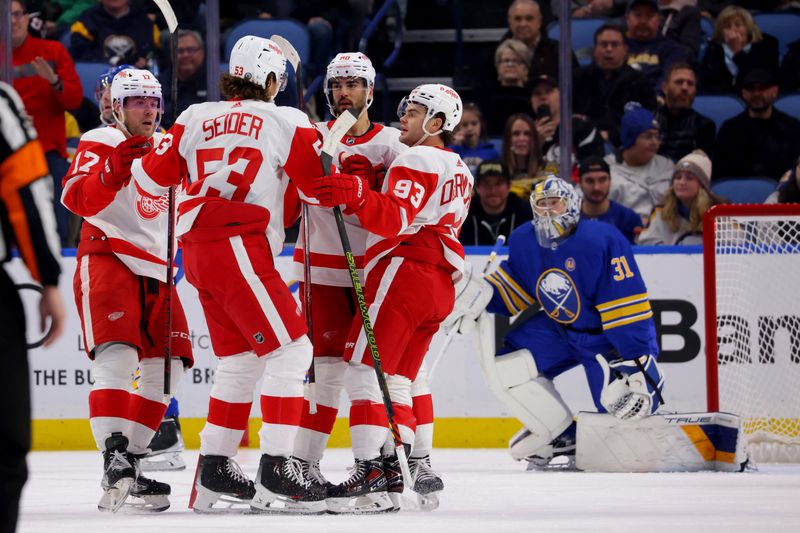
<point>349,65</point>
<point>436,98</point>
<point>134,82</point>
<point>254,58</point>
<point>552,229</point>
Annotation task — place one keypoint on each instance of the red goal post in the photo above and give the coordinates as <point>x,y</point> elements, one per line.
<point>751,256</point>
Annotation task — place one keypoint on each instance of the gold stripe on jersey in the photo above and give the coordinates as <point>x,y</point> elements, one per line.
<point>607,306</point>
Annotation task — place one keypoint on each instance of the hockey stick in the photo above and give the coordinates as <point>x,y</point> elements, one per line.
<point>172,25</point>
<point>294,58</point>
<point>501,240</point>
<point>337,131</point>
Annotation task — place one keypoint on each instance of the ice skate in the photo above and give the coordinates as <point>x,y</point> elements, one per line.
<point>559,454</point>
<point>394,479</point>
<point>427,483</point>
<point>165,448</point>
<point>119,473</point>
<point>283,486</point>
<point>312,471</point>
<point>220,486</point>
<point>148,495</point>
<point>364,492</point>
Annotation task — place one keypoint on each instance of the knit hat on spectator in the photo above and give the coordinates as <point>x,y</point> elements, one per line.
<point>636,121</point>
<point>592,164</point>
<point>634,3</point>
<point>698,163</point>
<point>493,167</point>
<point>764,77</point>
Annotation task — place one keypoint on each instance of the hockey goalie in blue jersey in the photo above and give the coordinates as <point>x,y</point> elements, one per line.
<point>594,312</point>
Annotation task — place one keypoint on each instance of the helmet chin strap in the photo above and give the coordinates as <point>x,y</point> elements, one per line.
<point>120,121</point>
<point>427,134</point>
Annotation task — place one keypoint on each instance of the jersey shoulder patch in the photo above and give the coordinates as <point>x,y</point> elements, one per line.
<point>107,135</point>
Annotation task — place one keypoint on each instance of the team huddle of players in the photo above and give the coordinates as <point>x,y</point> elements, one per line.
<point>241,169</point>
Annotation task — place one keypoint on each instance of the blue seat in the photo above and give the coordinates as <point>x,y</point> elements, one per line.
<point>718,108</point>
<point>789,104</point>
<point>291,30</point>
<point>88,73</point>
<point>706,27</point>
<point>745,190</point>
<point>783,26</point>
<point>581,38</point>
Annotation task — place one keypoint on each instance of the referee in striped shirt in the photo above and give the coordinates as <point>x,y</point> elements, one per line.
<point>27,223</point>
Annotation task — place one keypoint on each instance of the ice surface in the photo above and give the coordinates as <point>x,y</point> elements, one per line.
<point>484,491</point>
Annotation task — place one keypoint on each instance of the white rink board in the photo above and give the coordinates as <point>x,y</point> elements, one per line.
<point>59,373</point>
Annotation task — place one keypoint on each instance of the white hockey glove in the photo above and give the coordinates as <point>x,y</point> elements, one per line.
<point>632,388</point>
<point>472,296</point>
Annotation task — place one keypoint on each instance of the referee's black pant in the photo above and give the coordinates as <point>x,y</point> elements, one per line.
<point>15,403</point>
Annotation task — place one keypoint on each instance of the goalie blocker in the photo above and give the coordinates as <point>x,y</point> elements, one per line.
<point>683,442</point>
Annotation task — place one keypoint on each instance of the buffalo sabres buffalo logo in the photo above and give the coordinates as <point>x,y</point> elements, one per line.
<point>149,208</point>
<point>555,290</point>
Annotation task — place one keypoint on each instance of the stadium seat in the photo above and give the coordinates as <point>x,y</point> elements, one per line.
<point>582,37</point>
<point>88,73</point>
<point>497,144</point>
<point>744,190</point>
<point>718,108</point>
<point>291,30</point>
<point>782,26</point>
<point>706,27</point>
<point>789,104</point>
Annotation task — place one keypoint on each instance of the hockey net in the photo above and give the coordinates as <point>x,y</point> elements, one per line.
<point>752,303</point>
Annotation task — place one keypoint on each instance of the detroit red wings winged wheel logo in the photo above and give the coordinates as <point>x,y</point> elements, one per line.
<point>149,208</point>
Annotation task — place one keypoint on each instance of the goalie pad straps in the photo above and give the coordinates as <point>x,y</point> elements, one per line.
<point>473,294</point>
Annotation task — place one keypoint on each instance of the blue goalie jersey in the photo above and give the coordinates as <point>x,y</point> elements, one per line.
<point>589,285</point>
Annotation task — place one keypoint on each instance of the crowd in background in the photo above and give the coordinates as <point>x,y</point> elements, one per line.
<point>643,157</point>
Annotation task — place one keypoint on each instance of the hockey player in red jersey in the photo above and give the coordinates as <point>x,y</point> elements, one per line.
<point>412,245</point>
<point>367,150</point>
<point>236,159</point>
<point>120,289</point>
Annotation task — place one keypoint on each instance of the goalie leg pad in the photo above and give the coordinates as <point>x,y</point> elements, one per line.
<point>515,380</point>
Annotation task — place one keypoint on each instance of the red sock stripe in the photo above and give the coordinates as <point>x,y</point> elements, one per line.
<point>423,408</point>
<point>278,410</point>
<point>322,421</point>
<point>146,412</point>
<point>404,416</point>
<point>109,402</point>
<point>228,415</point>
<point>364,412</point>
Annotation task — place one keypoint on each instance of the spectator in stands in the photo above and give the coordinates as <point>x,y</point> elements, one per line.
<point>595,184</point>
<point>525,24</point>
<point>510,93</point>
<point>790,69</point>
<point>494,210</point>
<point>737,45</point>
<point>68,12</point>
<point>682,128</point>
<point>788,190</point>
<point>45,78</point>
<point>113,32</point>
<point>760,141</point>
<point>680,21</point>
<point>470,140</point>
<point>648,51</point>
<point>679,219</point>
<point>191,74</point>
<point>594,9</point>
<point>639,176</point>
<point>601,90</point>
<point>522,154</point>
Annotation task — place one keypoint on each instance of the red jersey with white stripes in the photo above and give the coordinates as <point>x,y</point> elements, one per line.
<point>135,225</point>
<point>236,159</point>
<point>425,200</point>
<point>381,145</point>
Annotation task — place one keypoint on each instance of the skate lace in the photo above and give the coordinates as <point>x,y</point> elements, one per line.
<point>233,469</point>
<point>355,473</point>
<point>423,470</point>
<point>293,469</point>
<point>119,461</point>
<point>312,471</point>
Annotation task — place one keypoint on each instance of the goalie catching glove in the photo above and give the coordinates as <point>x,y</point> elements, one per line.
<point>473,294</point>
<point>631,388</point>
<point>341,189</point>
<point>117,170</point>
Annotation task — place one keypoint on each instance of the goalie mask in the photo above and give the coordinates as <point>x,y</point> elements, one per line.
<point>254,58</point>
<point>556,211</point>
<point>349,65</point>
<point>131,82</point>
<point>436,98</point>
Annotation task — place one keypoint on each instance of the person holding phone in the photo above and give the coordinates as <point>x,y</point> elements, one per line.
<point>545,103</point>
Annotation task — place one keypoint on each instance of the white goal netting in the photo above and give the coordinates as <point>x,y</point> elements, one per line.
<point>757,294</point>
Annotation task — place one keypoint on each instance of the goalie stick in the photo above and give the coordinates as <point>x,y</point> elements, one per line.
<point>343,123</point>
<point>172,25</point>
<point>294,58</point>
<point>501,240</point>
